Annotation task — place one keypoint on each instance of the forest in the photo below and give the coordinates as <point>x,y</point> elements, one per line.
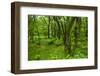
<point>57,37</point>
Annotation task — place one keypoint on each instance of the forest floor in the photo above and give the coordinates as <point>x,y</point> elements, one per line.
<point>49,49</point>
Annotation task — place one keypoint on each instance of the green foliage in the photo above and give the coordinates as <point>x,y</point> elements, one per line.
<point>57,37</point>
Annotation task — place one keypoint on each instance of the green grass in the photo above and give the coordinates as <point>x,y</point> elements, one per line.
<point>51,49</point>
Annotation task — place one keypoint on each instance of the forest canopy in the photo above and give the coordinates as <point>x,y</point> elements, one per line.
<point>57,37</point>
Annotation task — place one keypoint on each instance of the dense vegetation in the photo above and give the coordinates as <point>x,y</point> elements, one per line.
<point>57,37</point>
